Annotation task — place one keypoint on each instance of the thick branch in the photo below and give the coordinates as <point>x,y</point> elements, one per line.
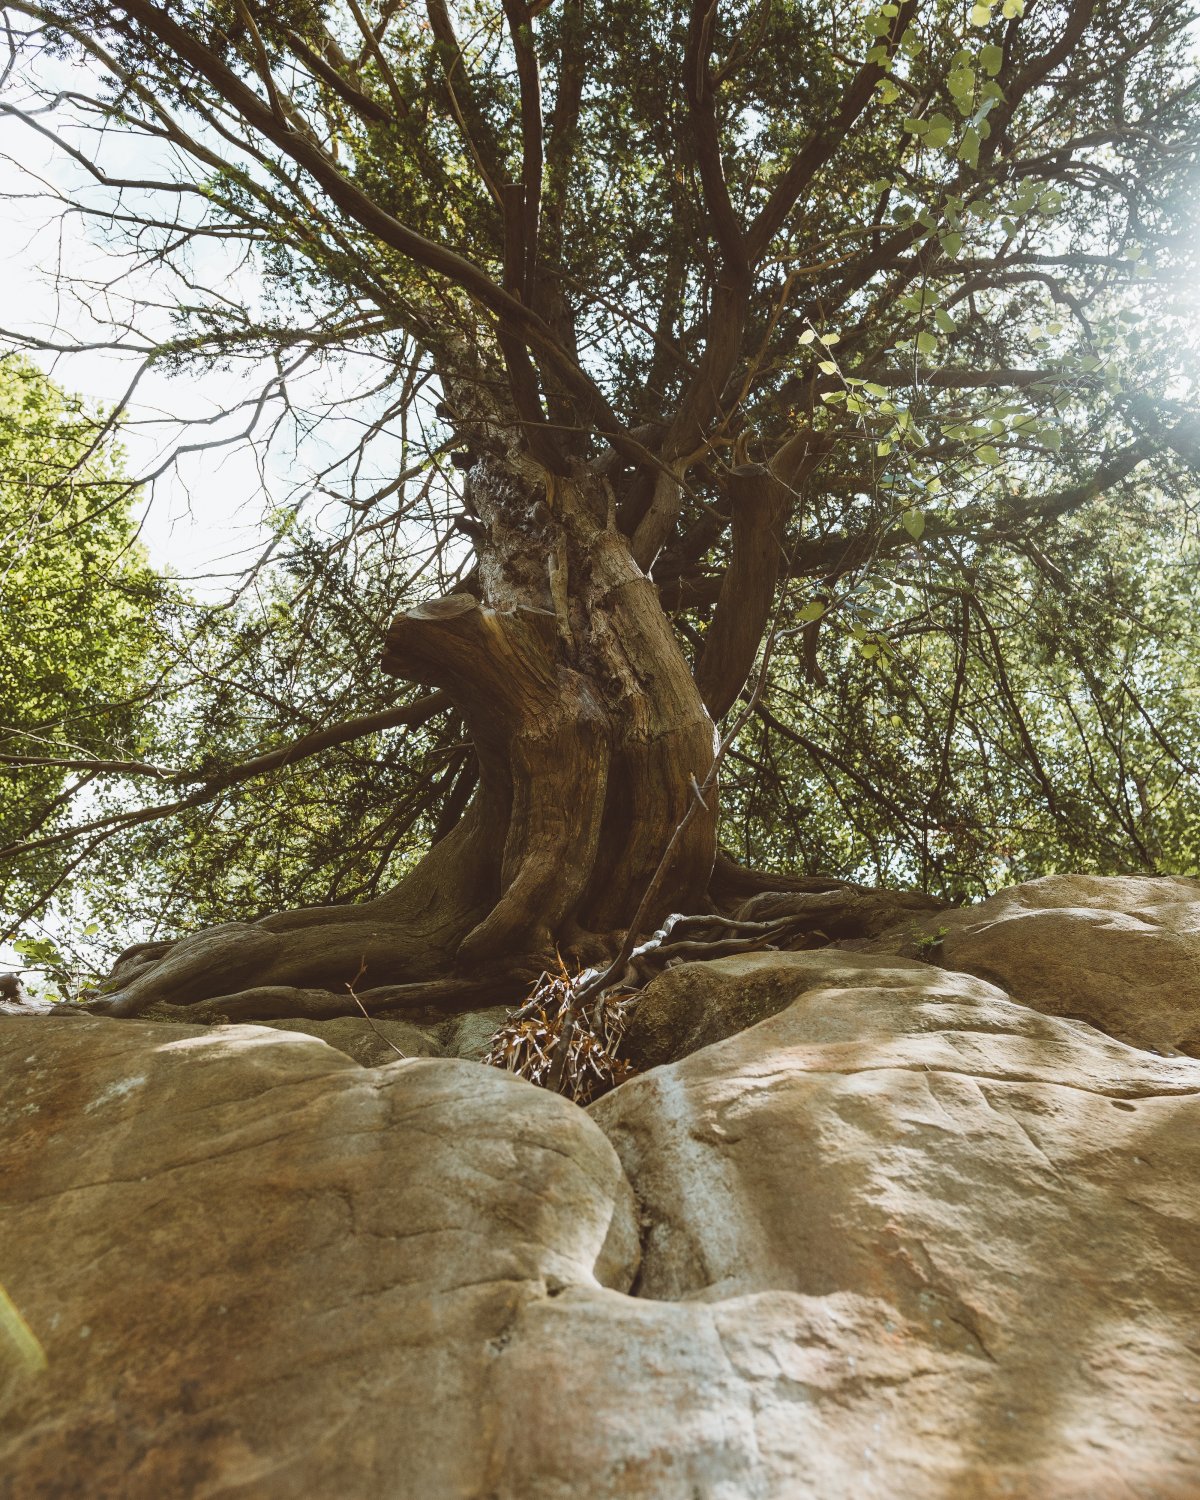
<point>820,147</point>
<point>698,86</point>
<point>841,552</point>
<point>354,202</point>
<point>520,26</point>
<point>472,122</point>
<point>411,714</point>
<point>761,496</point>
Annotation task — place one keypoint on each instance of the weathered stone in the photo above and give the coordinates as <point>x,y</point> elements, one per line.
<point>369,1046</point>
<point>470,1034</point>
<point>693,1005</point>
<point>259,1269</point>
<point>903,1238</point>
<point>950,1247</point>
<point>1120,953</point>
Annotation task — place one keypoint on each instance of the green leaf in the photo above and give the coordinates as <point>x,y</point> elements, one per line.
<point>951,244</point>
<point>913,522</point>
<point>991,59</point>
<point>968,150</point>
<point>827,367</point>
<point>943,320</point>
<point>988,455</point>
<point>926,343</point>
<point>981,15</point>
<point>812,611</point>
<point>939,130</point>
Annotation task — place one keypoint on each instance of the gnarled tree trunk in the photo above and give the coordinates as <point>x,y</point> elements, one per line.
<point>590,732</point>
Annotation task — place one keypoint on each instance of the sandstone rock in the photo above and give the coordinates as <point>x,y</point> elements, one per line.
<point>1122,954</point>
<point>692,1005</point>
<point>258,1269</point>
<point>470,1034</point>
<point>367,1045</point>
<point>902,1239</point>
<point>950,1247</point>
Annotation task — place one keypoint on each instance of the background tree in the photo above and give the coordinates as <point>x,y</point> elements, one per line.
<point>77,603</point>
<point>880,307</point>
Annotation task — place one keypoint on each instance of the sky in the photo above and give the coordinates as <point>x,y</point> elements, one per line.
<point>205,519</point>
<point>203,522</point>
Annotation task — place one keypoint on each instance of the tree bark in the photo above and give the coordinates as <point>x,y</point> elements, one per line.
<point>589,730</point>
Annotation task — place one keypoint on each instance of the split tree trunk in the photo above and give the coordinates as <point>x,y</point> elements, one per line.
<point>591,734</point>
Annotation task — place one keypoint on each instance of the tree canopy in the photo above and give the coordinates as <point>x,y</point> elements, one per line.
<point>77,602</point>
<point>864,331</point>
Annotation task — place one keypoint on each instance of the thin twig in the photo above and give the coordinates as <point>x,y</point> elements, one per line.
<point>362,969</point>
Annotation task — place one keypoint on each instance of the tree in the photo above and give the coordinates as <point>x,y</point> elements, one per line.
<point>76,597</point>
<point>711,301</point>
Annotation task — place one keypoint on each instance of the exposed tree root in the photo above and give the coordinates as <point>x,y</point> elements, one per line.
<point>417,1003</point>
<point>850,912</point>
<point>733,883</point>
<point>303,963</point>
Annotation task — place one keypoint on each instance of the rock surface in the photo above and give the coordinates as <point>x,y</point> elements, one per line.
<point>258,1269</point>
<point>369,1046</point>
<point>965,1238</point>
<point>470,1033</point>
<point>695,1004</point>
<point>1122,954</point>
<point>902,1238</point>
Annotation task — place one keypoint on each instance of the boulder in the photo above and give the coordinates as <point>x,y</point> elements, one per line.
<point>1120,953</point>
<point>902,1238</point>
<point>255,1268</point>
<point>470,1033</point>
<point>950,1247</point>
<point>693,1005</point>
<point>369,1045</point>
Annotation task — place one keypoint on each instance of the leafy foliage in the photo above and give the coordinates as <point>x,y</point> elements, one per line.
<point>78,604</point>
<point>952,248</point>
